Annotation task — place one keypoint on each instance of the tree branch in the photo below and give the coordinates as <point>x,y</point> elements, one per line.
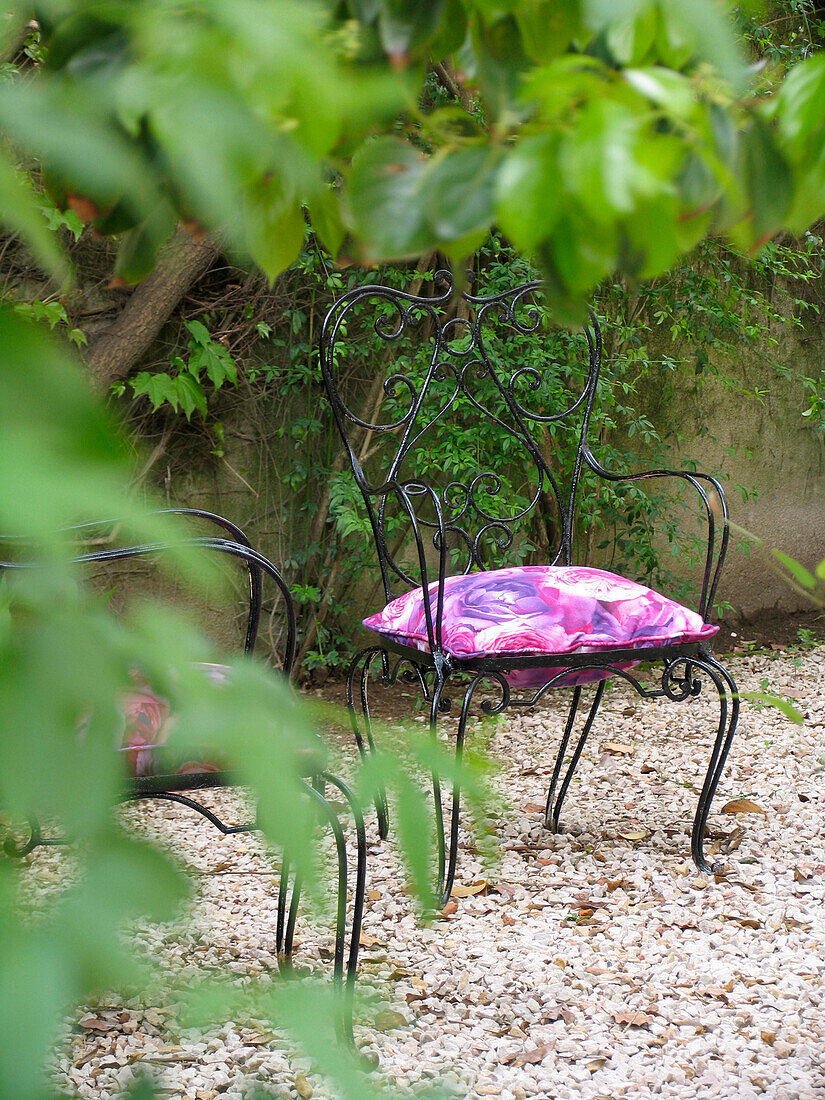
<point>115,352</point>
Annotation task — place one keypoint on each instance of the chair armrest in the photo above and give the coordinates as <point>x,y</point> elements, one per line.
<point>717,539</point>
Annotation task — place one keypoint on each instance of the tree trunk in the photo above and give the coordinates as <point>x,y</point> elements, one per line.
<point>115,352</point>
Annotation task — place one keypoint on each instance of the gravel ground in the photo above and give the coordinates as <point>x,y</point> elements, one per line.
<point>597,964</point>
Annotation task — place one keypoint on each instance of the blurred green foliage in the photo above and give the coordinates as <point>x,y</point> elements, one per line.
<point>64,659</point>
<point>601,136</point>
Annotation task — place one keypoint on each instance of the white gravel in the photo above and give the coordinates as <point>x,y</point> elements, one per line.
<point>596,964</point>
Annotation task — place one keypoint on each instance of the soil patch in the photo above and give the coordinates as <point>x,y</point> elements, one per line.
<point>774,630</point>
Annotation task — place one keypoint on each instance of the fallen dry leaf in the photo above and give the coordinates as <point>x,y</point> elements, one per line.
<point>743,922</point>
<point>530,1057</point>
<point>303,1087</point>
<point>374,895</point>
<point>742,806</point>
<point>617,748</point>
<point>386,1019</point>
<point>505,889</point>
<point>366,940</point>
<point>94,1023</point>
<point>637,834</point>
<point>716,993</point>
<point>469,891</point>
<point>632,1019</point>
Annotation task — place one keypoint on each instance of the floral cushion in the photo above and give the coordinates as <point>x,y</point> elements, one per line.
<point>148,726</point>
<point>532,610</point>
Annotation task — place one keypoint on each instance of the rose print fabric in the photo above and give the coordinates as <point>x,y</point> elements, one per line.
<point>146,741</point>
<point>532,610</point>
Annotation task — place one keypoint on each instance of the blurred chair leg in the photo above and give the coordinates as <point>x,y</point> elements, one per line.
<point>364,739</point>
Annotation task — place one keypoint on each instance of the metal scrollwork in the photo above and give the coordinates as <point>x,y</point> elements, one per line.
<point>499,680</point>
<point>478,384</point>
<point>18,849</point>
<point>678,680</point>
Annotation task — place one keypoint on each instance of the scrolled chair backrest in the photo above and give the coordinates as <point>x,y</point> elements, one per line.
<point>472,432</point>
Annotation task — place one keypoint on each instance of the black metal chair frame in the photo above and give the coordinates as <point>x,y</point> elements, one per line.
<point>177,788</point>
<point>455,515</point>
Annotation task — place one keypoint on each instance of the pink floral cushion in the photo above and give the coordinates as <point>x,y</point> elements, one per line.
<point>532,610</point>
<point>148,727</point>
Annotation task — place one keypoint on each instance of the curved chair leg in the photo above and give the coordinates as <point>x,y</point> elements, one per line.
<point>568,729</point>
<point>285,927</point>
<point>442,892</point>
<point>728,719</point>
<point>552,811</point>
<point>448,859</point>
<point>359,895</point>
<point>365,659</point>
<point>344,1022</point>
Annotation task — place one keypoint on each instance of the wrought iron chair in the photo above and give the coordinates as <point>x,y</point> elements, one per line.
<point>521,631</point>
<point>155,771</point>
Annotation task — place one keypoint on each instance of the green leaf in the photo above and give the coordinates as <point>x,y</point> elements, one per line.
<point>190,394</point>
<point>528,190</point>
<point>58,219</point>
<point>199,332</point>
<point>386,197</point>
<point>798,105</point>
<point>652,241</point>
<point>138,248</point>
<point>219,364</point>
<point>796,569</point>
<point>500,61</point>
<point>70,129</point>
<point>809,196</point>
<point>452,31</point>
<point>768,699</point>
<point>547,27</point>
<point>582,257</point>
<point>630,37</point>
<point>713,35</point>
<point>274,228</point>
<point>460,193</point>
<point>600,161</point>
<point>669,90</point>
<point>59,448</point>
<point>768,179</point>
<point>405,27</point>
<point>20,212</point>
<point>325,217</point>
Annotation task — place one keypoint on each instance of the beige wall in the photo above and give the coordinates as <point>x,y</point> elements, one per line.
<point>766,444</point>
